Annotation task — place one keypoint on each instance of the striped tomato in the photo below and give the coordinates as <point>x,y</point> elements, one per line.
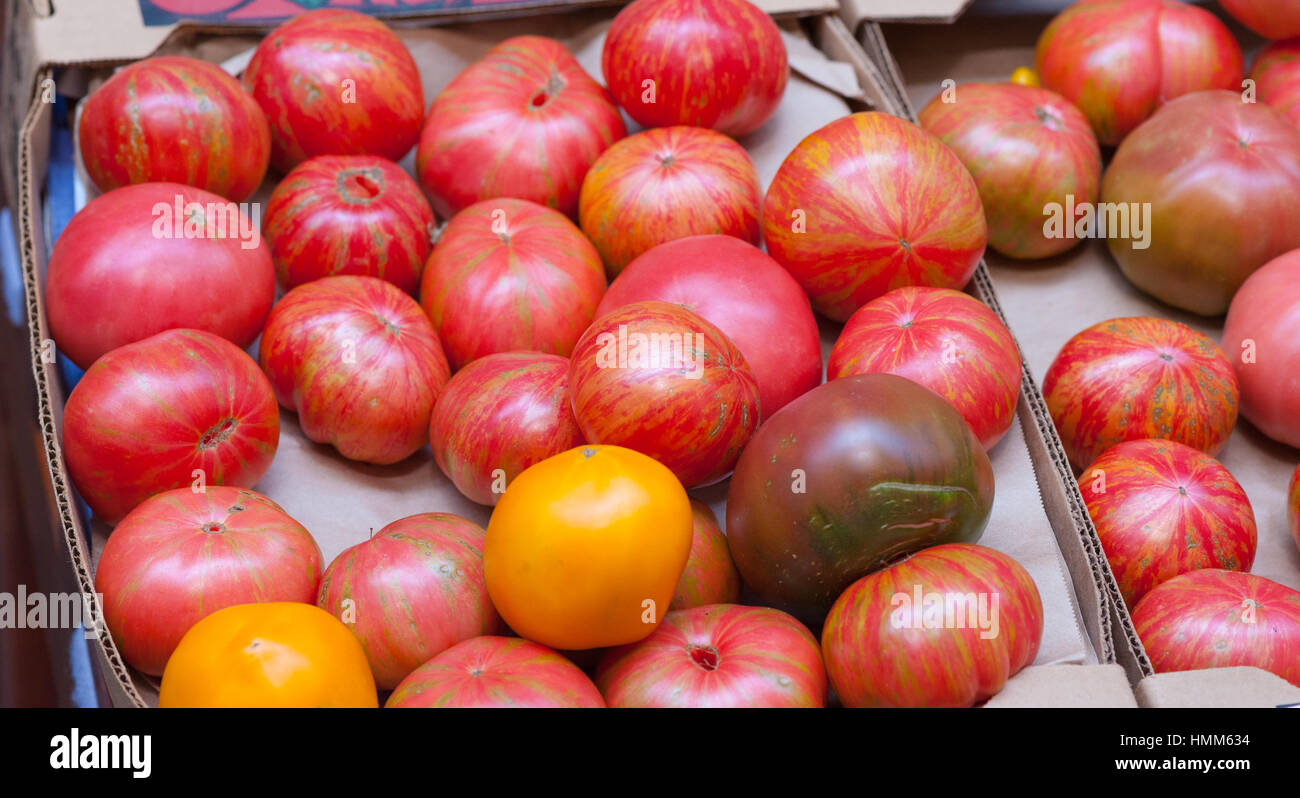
<point>1272,19</point>
<point>498,416</point>
<point>944,628</point>
<point>523,121</point>
<point>947,341</point>
<point>718,655</point>
<point>508,275</point>
<point>184,554</point>
<point>499,673</point>
<point>1276,73</point>
<point>348,214</point>
<point>1293,506</point>
<point>1221,619</point>
<point>657,378</point>
<point>181,408</point>
<point>410,592</point>
<point>710,576</point>
<point>173,119</point>
<point>1163,509</point>
<point>1140,377</point>
<point>336,82</point>
<point>668,183</point>
<point>360,364</point>
<point>870,203</point>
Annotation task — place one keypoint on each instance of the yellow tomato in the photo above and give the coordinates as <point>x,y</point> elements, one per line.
<point>585,548</point>
<point>1025,77</point>
<point>275,654</point>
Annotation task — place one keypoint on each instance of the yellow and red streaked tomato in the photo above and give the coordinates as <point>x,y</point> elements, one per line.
<point>173,119</point>
<point>1262,338</point>
<point>718,656</point>
<point>1028,149</point>
<point>509,275</point>
<point>1025,76</point>
<point>349,214</point>
<point>1214,179</point>
<point>1220,619</point>
<point>499,415</point>
<point>1140,377</point>
<point>410,592</point>
<point>1277,77</point>
<point>944,628</point>
<point>1162,509</point>
<point>668,183</point>
<point>524,121</point>
<point>497,673</point>
<point>181,555</point>
<point>947,341</point>
<point>1119,60</point>
<point>360,364</point>
<point>218,275</point>
<point>1293,506</point>
<point>180,408</point>
<point>336,82</point>
<point>710,576</point>
<point>1269,18</point>
<point>658,378</point>
<point>870,203</point>
<point>717,64</point>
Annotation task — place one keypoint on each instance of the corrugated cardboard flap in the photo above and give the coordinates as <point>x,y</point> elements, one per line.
<point>855,12</point>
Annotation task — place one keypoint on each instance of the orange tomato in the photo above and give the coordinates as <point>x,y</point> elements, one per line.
<point>1025,77</point>
<point>274,654</point>
<point>585,548</point>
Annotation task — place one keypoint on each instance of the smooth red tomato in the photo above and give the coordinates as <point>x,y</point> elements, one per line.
<point>1272,19</point>
<point>1277,77</point>
<point>710,576</point>
<point>1293,506</point>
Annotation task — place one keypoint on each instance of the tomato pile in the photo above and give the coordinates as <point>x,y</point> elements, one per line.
<point>582,326</point>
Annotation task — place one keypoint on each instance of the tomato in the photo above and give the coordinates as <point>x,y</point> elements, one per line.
<point>1119,60</point>
<point>947,341</point>
<point>336,82</point>
<point>1163,509</point>
<point>710,576</point>
<point>1293,506</point>
<point>869,203</point>
<point>500,673</point>
<point>1221,619</point>
<point>181,408</point>
<point>524,121</point>
<point>585,548</point>
<point>410,592</point>
<point>526,267</point>
<point>718,655</point>
<point>277,654</point>
<point>360,364</point>
<point>945,627</point>
<point>847,478</point>
<point>1277,78</point>
<point>169,256</point>
<point>1142,377</point>
<point>349,214</point>
<point>717,64</point>
<point>1272,19</point>
<point>1027,149</point>
<point>174,119</point>
<point>657,378</point>
<point>668,183</point>
<point>1024,76</point>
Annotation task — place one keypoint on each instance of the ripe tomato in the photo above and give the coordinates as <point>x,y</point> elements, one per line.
<point>1269,18</point>
<point>1277,78</point>
<point>1293,506</point>
<point>585,548</point>
<point>277,654</point>
<point>497,672</point>
<point>710,576</point>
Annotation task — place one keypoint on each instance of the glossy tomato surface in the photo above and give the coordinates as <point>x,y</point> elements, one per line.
<point>710,576</point>
<point>1293,506</point>
<point>1276,73</point>
<point>1272,19</point>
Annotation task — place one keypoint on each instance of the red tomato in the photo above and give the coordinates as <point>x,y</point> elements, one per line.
<point>218,275</point>
<point>1141,377</point>
<point>499,415</point>
<point>1272,19</point>
<point>717,64</point>
<point>181,408</point>
<point>1163,509</point>
<point>523,121</point>
<point>945,340</point>
<point>657,378</point>
<point>527,268</point>
<point>360,364</point>
<point>870,203</point>
<point>336,82</point>
<point>664,184</point>
<point>718,655</point>
<point>176,120</point>
<point>1293,506</point>
<point>349,214</point>
<point>410,592</point>
<point>1277,78</point>
<point>184,554</point>
<point>1220,619</point>
<point>710,576</point>
<point>944,628</point>
<point>497,672</point>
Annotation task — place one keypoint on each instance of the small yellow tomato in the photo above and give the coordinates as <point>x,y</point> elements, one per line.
<point>1025,77</point>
